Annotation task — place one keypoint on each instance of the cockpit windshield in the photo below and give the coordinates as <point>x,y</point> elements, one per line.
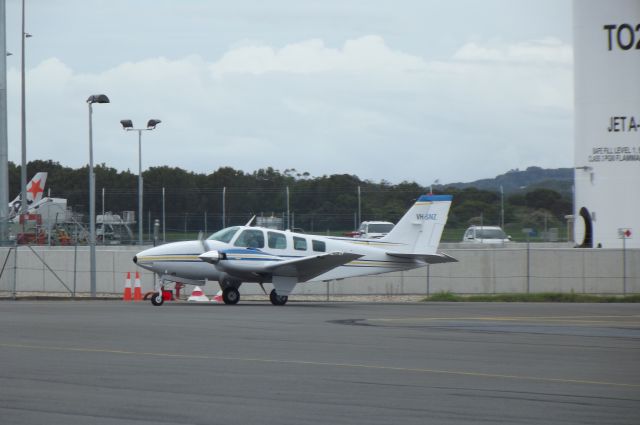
<point>224,235</point>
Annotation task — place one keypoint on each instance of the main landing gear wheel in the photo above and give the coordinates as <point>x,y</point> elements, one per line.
<point>230,295</point>
<point>157,299</point>
<point>277,299</point>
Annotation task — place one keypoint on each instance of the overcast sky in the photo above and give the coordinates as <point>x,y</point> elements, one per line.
<point>395,90</point>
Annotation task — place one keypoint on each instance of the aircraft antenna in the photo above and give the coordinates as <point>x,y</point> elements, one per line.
<point>250,220</point>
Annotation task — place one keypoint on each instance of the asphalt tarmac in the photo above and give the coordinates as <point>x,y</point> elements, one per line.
<point>107,362</point>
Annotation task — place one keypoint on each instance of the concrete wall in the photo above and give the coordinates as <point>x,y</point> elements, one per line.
<point>480,270</point>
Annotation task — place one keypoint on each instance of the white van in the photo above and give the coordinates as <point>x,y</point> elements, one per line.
<point>374,229</point>
<point>485,234</point>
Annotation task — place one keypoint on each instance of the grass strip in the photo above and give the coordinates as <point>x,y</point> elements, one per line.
<point>542,297</point>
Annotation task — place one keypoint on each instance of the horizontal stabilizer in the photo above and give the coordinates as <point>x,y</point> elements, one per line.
<point>427,258</point>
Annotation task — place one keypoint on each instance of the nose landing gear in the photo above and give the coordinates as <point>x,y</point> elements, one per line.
<point>157,298</point>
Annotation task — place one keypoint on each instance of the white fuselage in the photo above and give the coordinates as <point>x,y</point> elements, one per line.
<point>181,259</point>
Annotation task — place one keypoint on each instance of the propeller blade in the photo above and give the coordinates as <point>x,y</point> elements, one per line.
<point>202,242</point>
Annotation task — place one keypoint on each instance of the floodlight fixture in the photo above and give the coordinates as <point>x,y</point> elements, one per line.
<point>98,98</point>
<point>127,125</point>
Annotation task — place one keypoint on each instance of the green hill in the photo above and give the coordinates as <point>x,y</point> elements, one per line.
<point>513,181</point>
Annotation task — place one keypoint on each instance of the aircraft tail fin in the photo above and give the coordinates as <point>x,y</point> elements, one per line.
<point>35,187</point>
<point>35,191</point>
<point>420,229</point>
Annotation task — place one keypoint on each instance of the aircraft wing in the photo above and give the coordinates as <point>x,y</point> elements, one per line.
<point>437,258</point>
<point>306,268</point>
<point>284,274</point>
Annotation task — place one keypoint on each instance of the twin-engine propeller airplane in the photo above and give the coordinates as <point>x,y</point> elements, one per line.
<point>283,258</point>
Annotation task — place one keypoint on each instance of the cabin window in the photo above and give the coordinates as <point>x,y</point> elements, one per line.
<point>319,246</point>
<point>299,243</point>
<point>277,240</point>
<point>224,235</point>
<point>251,238</point>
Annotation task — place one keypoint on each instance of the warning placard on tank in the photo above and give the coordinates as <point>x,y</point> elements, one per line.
<point>615,154</point>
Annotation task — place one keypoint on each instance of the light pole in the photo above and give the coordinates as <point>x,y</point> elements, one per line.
<point>128,126</point>
<point>224,206</point>
<point>501,207</point>
<point>288,211</point>
<point>164,235</point>
<point>4,160</point>
<point>23,123</point>
<point>436,181</point>
<point>95,98</point>
<point>359,208</point>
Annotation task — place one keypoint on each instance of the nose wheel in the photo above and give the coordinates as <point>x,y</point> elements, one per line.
<point>157,298</point>
<point>277,299</point>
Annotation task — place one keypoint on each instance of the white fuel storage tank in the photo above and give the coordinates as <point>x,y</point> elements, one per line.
<point>607,122</point>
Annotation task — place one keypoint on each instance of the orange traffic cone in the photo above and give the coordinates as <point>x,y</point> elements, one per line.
<point>127,288</point>
<point>137,289</point>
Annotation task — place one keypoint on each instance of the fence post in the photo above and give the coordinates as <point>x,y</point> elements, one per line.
<point>75,268</point>
<point>528,264</point>
<point>624,265</point>
<point>327,290</point>
<point>15,271</point>
<point>428,278</point>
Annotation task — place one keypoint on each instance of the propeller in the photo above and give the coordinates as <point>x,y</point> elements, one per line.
<point>202,242</point>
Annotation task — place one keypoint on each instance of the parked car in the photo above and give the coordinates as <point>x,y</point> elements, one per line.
<point>485,234</point>
<point>374,229</point>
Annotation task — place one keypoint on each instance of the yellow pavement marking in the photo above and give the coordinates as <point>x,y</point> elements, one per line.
<point>317,363</point>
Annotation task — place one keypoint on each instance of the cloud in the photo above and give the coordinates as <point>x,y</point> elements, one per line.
<point>364,54</point>
<point>362,108</point>
<point>537,52</point>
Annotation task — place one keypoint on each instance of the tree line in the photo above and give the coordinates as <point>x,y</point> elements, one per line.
<point>193,201</point>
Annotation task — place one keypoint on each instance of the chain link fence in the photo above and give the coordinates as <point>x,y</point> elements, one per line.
<point>64,272</point>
